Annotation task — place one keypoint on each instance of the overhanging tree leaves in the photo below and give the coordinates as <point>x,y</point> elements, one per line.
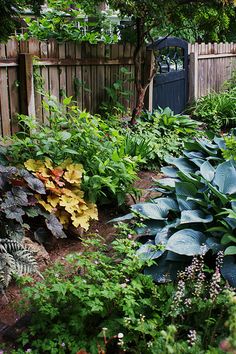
<point>159,14</point>
<point>10,14</point>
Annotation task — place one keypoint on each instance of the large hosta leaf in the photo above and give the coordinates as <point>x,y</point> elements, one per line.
<point>150,210</point>
<point>207,171</point>
<point>225,177</point>
<point>187,242</point>
<point>167,183</point>
<point>150,228</point>
<point>195,216</point>
<point>166,204</point>
<point>186,189</point>
<point>181,163</point>
<point>170,171</point>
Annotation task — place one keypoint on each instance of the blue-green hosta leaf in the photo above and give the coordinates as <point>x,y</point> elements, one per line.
<point>220,142</point>
<point>167,183</point>
<point>186,177</point>
<point>195,216</point>
<point>231,222</point>
<point>167,204</point>
<point>230,251</point>
<point>164,271</point>
<point>174,257</point>
<point>194,154</point>
<point>228,270</point>
<point>187,242</point>
<point>149,251</point>
<point>163,235</point>
<point>185,189</point>
<point>150,228</point>
<point>150,210</point>
<point>186,204</point>
<point>181,163</point>
<point>207,146</point>
<point>214,244</point>
<point>207,171</point>
<point>198,162</point>
<point>170,171</point>
<point>123,218</point>
<point>225,177</point>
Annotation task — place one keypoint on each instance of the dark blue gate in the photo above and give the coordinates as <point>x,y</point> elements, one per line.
<point>170,84</point>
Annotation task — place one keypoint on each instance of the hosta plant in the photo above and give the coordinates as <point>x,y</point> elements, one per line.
<point>195,215</point>
<point>18,206</point>
<point>63,195</point>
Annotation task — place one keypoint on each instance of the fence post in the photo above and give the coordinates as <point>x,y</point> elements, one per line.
<point>26,83</point>
<point>193,77</point>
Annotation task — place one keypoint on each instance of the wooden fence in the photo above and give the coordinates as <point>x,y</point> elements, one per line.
<point>210,66</point>
<point>83,71</point>
<point>79,70</point>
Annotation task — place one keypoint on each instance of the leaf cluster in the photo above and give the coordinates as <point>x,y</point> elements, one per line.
<point>109,171</point>
<point>195,214</point>
<point>64,197</point>
<point>217,110</point>
<point>100,302</point>
<point>19,206</point>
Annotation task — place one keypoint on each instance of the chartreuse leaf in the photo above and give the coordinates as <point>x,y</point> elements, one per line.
<point>187,242</point>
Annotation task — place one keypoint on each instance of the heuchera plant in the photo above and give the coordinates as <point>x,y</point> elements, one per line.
<point>63,195</point>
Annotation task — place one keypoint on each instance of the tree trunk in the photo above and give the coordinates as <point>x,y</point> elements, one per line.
<point>141,84</point>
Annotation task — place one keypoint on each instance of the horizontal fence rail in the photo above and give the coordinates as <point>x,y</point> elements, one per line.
<point>83,71</point>
<point>210,66</point>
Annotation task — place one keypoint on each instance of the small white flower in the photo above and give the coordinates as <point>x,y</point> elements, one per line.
<point>120,335</point>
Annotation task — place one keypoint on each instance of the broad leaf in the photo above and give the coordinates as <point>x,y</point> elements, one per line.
<point>181,163</point>
<point>151,210</point>
<point>55,227</point>
<point>187,242</point>
<point>207,171</point>
<point>195,216</point>
<point>225,177</point>
<point>231,250</point>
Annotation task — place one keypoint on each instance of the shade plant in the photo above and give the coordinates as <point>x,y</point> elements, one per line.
<point>100,302</point>
<point>109,171</point>
<point>195,214</point>
<point>19,209</point>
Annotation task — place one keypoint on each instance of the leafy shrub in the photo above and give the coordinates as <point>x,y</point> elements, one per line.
<point>100,302</point>
<point>18,206</point>
<point>165,134</point>
<point>195,215</point>
<point>64,196</point>
<point>108,171</point>
<point>116,92</point>
<point>217,110</point>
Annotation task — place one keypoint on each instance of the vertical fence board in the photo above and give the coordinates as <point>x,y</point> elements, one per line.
<point>13,91</point>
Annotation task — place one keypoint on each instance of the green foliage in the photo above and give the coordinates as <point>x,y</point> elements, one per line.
<point>10,13</point>
<point>71,21</point>
<point>116,93</point>
<point>19,206</point>
<point>100,302</point>
<point>195,214</point>
<point>109,170</point>
<point>165,134</point>
<point>217,110</point>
